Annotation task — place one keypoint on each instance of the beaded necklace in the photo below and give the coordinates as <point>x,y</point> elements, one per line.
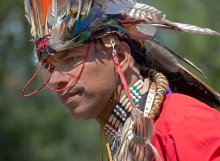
<point>123,110</point>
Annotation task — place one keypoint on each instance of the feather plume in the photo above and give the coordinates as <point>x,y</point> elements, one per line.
<point>65,26</point>
<point>68,6</point>
<point>167,50</point>
<point>143,134</point>
<point>100,3</point>
<point>136,138</point>
<point>89,23</point>
<point>82,7</point>
<point>143,11</point>
<point>146,29</point>
<point>57,12</point>
<point>116,7</point>
<point>89,7</point>
<point>44,6</point>
<point>143,127</point>
<point>54,11</point>
<point>196,29</point>
<point>62,4</point>
<point>39,19</point>
<point>163,57</point>
<point>77,41</point>
<point>29,13</point>
<point>79,9</point>
<point>166,24</point>
<point>33,7</point>
<point>37,10</point>
<point>135,10</point>
<point>54,40</point>
<point>153,18</point>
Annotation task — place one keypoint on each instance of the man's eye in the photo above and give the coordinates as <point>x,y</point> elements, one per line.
<point>72,59</point>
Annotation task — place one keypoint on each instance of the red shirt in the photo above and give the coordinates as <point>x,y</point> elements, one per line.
<point>187,130</point>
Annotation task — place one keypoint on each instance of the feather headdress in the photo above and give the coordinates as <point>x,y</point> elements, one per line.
<point>62,24</point>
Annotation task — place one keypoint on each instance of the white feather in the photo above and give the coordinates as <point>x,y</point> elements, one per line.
<point>68,7</point>
<point>100,3</point>
<point>89,7</point>
<point>30,17</point>
<point>39,18</point>
<point>196,29</point>
<point>79,8</point>
<point>54,40</point>
<point>119,6</point>
<point>146,29</point>
<point>166,24</point>
<point>143,11</point>
<point>54,12</point>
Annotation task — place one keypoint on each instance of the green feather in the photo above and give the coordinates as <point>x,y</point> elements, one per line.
<point>83,37</point>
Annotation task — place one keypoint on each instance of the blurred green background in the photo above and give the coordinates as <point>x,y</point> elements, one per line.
<point>39,128</point>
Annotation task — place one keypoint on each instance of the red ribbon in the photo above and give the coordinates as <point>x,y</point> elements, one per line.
<point>123,80</point>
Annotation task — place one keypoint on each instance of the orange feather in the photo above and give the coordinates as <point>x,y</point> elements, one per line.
<point>44,6</point>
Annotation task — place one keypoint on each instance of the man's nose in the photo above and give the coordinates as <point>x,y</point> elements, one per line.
<point>58,79</point>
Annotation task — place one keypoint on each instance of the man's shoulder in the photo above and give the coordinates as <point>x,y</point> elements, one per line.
<point>187,126</point>
<point>180,104</point>
<point>178,108</point>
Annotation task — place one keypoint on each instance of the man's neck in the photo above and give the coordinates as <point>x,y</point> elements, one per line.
<point>122,110</point>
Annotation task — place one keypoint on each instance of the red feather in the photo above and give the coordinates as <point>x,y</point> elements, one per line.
<point>128,21</point>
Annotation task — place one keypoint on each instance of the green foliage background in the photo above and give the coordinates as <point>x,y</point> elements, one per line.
<point>38,128</point>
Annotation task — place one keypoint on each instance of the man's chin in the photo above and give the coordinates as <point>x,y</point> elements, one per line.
<point>78,115</point>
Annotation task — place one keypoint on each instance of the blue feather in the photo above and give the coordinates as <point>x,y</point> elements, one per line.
<point>113,16</point>
<point>112,25</point>
<point>86,23</point>
<point>83,38</point>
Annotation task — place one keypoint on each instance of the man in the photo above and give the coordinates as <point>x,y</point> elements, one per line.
<point>103,62</point>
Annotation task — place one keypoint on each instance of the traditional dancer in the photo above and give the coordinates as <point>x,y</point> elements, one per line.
<point>104,63</point>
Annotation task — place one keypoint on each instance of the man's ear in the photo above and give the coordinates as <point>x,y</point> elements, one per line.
<point>124,55</point>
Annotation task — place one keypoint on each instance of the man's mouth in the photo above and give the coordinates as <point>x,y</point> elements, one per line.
<point>67,98</point>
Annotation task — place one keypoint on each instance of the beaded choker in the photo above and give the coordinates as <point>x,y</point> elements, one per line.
<point>123,110</point>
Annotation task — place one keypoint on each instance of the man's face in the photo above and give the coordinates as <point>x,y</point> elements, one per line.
<point>90,95</point>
